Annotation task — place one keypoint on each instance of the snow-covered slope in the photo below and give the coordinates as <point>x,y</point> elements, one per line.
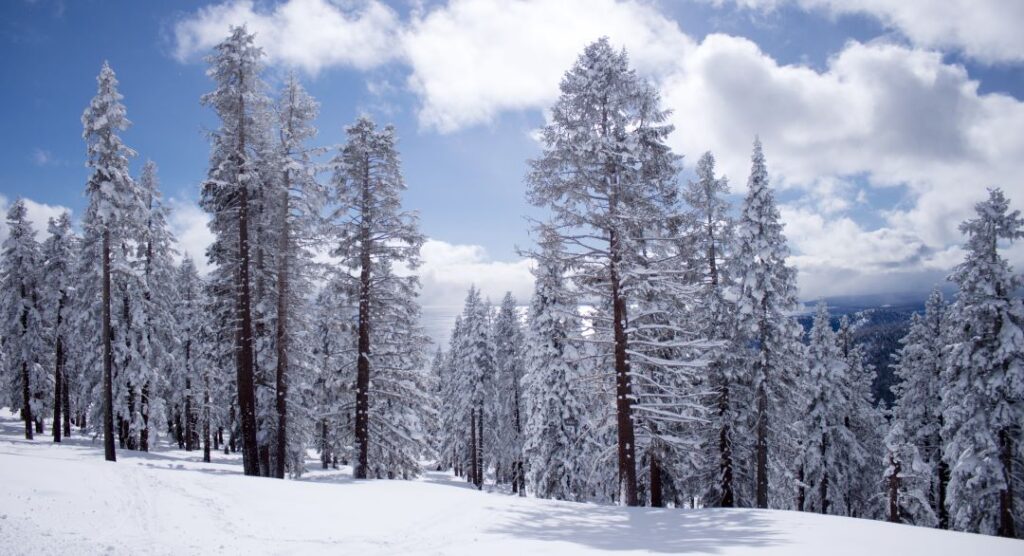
<point>66,500</point>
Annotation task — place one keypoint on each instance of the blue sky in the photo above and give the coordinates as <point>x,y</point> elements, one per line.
<point>882,124</point>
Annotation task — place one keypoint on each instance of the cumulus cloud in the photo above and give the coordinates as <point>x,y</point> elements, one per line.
<point>308,34</point>
<point>986,30</point>
<point>39,215</point>
<point>189,224</point>
<point>879,118</point>
<point>471,59</point>
<point>448,270</point>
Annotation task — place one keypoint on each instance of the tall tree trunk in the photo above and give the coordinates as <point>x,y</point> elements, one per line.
<point>657,500</point>
<point>144,406</point>
<point>363,363</point>
<point>823,486</point>
<point>189,423</point>
<point>243,339</point>
<point>26,400</point>
<point>66,403</point>
<point>725,450</point>
<point>58,374</point>
<point>942,470</point>
<point>282,338</point>
<point>623,386</point>
<point>1006,509</point>
<point>894,490</point>
<point>761,446</point>
<point>480,449</point>
<point>473,446</point>
<point>206,417</point>
<point>108,357</point>
<point>801,490</point>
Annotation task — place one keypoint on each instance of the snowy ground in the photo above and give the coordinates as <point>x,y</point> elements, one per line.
<point>66,500</point>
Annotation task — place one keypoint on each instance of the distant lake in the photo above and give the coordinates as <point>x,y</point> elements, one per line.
<point>437,321</point>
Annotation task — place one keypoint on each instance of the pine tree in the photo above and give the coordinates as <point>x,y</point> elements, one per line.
<point>710,232</point>
<point>915,440</point>
<point>299,206</point>
<point>23,330</point>
<point>865,424</point>
<point>766,293</point>
<point>473,359</point>
<point>983,402</point>
<point>607,178</point>
<point>375,235</point>
<point>509,411</point>
<point>109,225</point>
<point>192,379</point>
<point>229,194</point>
<point>58,252</point>
<point>554,414</point>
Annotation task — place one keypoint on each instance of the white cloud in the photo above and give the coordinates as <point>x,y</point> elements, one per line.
<point>42,157</point>
<point>308,34</point>
<point>881,114</point>
<point>189,224</point>
<point>39,215</point>
<point>471,59</point>
<point>877,116</point>
<point>448,270</point>
<point>987,30</point>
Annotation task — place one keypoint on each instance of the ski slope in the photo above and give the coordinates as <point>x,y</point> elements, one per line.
<point>66,500</point>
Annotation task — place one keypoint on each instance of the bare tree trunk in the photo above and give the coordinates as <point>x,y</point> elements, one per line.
<point>657,500</point>
<point>761,448</point>
<point>473,446</point>
<point>282,338</point>
<point>206,417</point>
<point>363,363</point>
<point>108,357</point>
<point>942,470</point>
<point>243,338</point>
<point>801,490</point>
<point>623,386</point>
<point>144,433</point>
<point>728,499</point>
<point>894,490</point>
<point>66,403</point>
<point>58,375</point>
<point>1006,525</point>
<point>823,486</point>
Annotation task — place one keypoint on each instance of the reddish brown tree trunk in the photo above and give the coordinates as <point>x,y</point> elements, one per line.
<point>108,357</point>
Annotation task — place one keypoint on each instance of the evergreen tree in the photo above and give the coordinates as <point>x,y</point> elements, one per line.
<point>23,330</point>
<point>375,235</point>
<point>230,194</point>
<point>983,400</point>
<point>300,202</point>
<point>608,179</point>
<point>58,253</point>
<point>915,440</point>
<point>509,411</point>
<point>766,294</point>
<point>554,414</point>
<point>710,232</point>
<point>110,226</point>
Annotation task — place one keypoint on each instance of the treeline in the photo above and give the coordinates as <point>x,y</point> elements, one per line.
<point>660,361</point>
<point>305,333</point>
<point>685,378</point>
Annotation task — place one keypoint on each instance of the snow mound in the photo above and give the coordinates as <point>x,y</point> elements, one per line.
<point>64,499</point>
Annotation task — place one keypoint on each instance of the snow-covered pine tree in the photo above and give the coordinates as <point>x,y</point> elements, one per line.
<point>766,294</point>
<point>58,256</point>
<point>155,333</point>
<point>189,381</point>
<point>983,400</point>
<point>298,207</point>
<point>605,175</point>
<point>333,348</point>
<point>710,233</point>
<point>374,236</point>
<point>454,445</point>
<point>554,414</point>
<point>23,323</point>
<point>916,473</point>
<point>229,193</point>
<point>832,454</point>
<point>109,226</point>
<point>866,425</point>
<point>510,415</point>
<point>474,362</point>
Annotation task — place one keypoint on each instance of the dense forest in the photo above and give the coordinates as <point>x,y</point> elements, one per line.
<point>661,360</point>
